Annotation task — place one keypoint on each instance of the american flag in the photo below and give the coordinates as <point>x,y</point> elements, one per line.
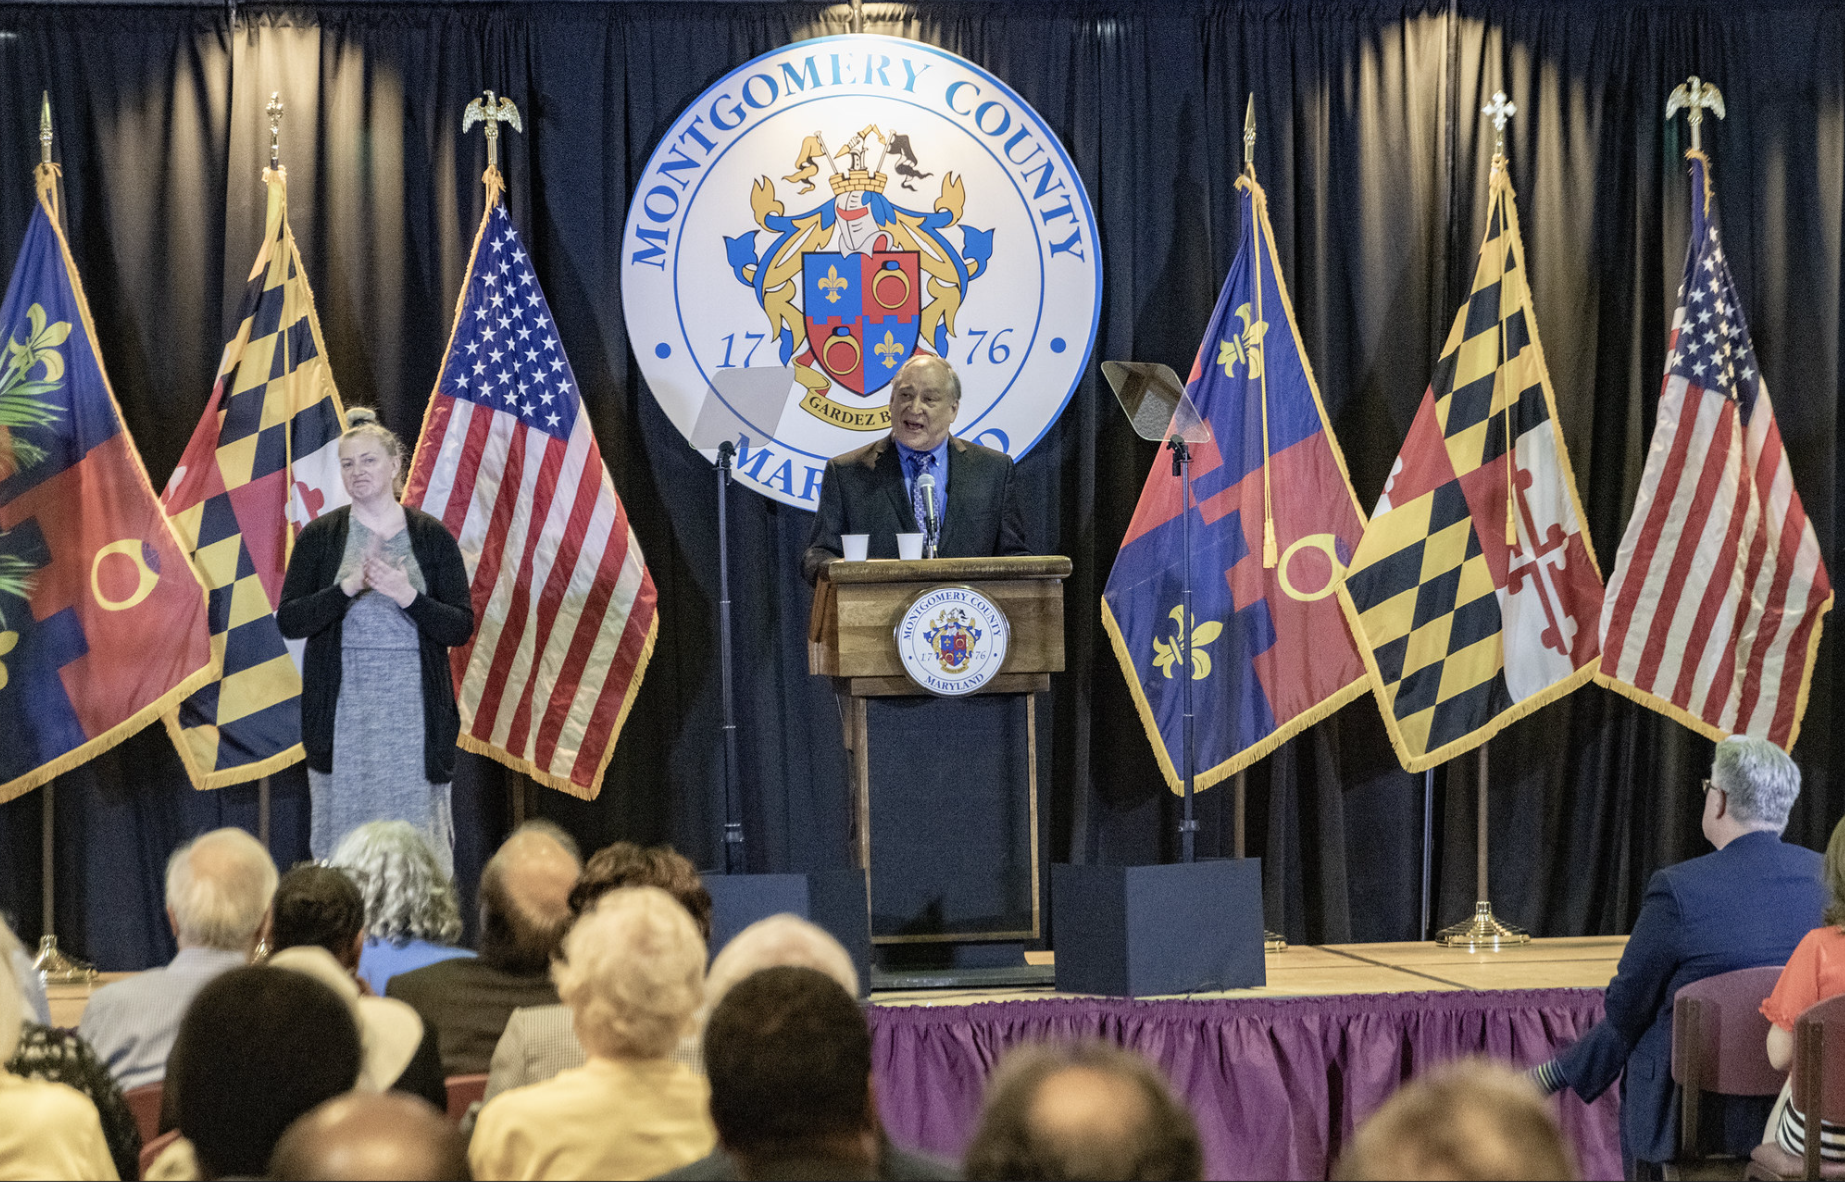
<point>1713,614</point>
<point>507,460</point>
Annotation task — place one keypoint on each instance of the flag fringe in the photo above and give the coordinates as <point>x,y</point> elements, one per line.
<point>206,779</point>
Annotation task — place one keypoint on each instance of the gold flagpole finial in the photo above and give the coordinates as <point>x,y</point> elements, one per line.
<point>1499,111</point>
<point>492,111</point>
<point>1249,134</point>
<point>274,110</point>
<point>44,129</point>
<point>1695,96</point>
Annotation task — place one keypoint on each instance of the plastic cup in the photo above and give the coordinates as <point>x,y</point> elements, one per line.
<point>854,546</point>
<point>909,546</point>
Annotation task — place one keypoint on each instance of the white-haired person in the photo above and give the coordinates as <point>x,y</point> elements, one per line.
<point>218,891</point>
<point>1748,904</point>
<point>47,1130</point>
<point>632,973</point>
<point>412,914</point>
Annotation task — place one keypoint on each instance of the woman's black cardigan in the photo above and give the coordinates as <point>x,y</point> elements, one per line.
<point>314,607</point>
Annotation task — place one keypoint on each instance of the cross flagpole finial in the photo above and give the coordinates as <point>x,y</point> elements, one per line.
<point>1695,96</point>
<point>274,111</point>
<point>1499,111</point>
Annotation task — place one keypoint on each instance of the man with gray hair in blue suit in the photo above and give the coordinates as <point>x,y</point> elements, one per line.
<point>1747,904</point>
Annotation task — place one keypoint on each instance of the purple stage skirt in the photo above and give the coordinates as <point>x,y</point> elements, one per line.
<point>1277,1086</point>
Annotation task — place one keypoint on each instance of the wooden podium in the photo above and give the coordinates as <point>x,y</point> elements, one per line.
<point>851,638</point>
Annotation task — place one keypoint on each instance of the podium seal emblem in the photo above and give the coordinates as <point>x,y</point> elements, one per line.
<point>952,640</point>
<point>839,206</point>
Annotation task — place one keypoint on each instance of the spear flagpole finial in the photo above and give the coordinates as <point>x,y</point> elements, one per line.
<point>44,129</point>
<point>1249,133</point>
<point>274,110</point>
<point>1695,96</point>
<point>1499,111</point>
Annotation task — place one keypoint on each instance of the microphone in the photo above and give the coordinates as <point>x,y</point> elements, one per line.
<point>926,485</point>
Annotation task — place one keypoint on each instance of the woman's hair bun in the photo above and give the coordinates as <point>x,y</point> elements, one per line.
<point>358,416</point>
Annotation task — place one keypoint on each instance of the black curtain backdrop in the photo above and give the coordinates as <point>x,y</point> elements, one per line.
<point>1374,156</point>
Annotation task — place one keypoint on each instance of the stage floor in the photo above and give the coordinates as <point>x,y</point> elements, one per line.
<point>1331,969</point>
<point>1304,971</point>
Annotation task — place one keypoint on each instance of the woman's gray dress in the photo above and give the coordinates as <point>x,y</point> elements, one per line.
<point>378,772</point>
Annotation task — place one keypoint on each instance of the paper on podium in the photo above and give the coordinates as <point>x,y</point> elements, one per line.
<point>1155,401</point>
<point>743,401</point>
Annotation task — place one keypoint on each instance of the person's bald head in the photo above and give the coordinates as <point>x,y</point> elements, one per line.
<point>1086,1111</point>
<point>391,1136</point>
<point>525,897</point>
<point>218,891</point>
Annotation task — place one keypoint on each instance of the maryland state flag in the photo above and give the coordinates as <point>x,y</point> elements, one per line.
<point>102,620</point>
<point>262,463</point>
<point>1274,522</point>
<point>1474,608</point>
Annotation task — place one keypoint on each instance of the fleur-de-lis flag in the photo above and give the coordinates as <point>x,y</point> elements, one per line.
<point>1474,609</point>
<point>102,619</point>
<point>1274,522</point>
<point>262,463</point>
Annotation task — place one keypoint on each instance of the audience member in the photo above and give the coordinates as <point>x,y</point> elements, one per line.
<point>218,890</point>
<point>359,1136</point>
<point>49,1130</point>
<point>31,985</point>
<point>632,974</point>
<point>1747,904</point>
<point>412,914</point>
<point>524,912</point>
<point>788,1056</point>
<point>539,1041</point>
<point>259,1047</point>
<point>1470,1119</point>
<point>319,929</point>
<point>1814,973</point>
<point>1082,1111</point>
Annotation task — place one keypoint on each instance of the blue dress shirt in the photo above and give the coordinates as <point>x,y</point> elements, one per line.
<point>131,1024</point>
<point>912,467</point>
<point>380,960</point>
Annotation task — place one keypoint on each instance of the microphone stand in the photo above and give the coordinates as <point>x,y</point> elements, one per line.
<point>733,812</point>
<point>1181,467</point>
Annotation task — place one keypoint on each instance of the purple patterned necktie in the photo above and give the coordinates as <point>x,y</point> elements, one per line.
<point>923,464</point>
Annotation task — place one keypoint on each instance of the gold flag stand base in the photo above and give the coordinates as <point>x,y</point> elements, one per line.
<point>1482,933</point>
<point>58,969</point>
<point>1273,941</point>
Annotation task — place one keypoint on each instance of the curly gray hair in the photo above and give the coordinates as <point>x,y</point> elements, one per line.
<point>407,897</point>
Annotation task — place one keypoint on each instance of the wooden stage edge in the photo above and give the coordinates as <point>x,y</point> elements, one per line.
<point>1305,971</point>
<point>1330,970</point>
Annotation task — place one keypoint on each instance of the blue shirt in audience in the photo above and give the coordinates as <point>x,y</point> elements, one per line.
<point>381,960</point>
<point>131,1024</point>
<point>33,987</point>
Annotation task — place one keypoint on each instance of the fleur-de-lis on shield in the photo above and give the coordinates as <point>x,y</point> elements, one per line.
<point>890,350</point>
<point>832,285</point>
<point>1245,348</point>
<point>1167,654</point>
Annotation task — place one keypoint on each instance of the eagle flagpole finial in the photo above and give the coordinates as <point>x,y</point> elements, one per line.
<point>492,110</point>
<point>1695,96</point>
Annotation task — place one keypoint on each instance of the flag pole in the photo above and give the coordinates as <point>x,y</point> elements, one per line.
<point>274,111</point>
<point>52,965</point>
<point>1484,932</point>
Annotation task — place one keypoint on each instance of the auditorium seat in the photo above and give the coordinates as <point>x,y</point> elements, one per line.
<point>1719,1045</point>
<point>154,1147</point>
<point>144,1104</point>
<point>1817,1092</point>
<point>464,1090</point>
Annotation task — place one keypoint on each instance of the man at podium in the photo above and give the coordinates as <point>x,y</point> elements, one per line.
<point>880,489</point>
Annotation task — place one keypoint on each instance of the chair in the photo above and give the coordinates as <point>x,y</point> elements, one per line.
<point>465,1090</point>
<point>154,1148</point>
<point>144,1104</point>
<point>1818,1093</point>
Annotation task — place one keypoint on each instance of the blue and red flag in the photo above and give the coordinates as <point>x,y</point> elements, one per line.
<point>1274,521</point>
<point>102,619</point>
